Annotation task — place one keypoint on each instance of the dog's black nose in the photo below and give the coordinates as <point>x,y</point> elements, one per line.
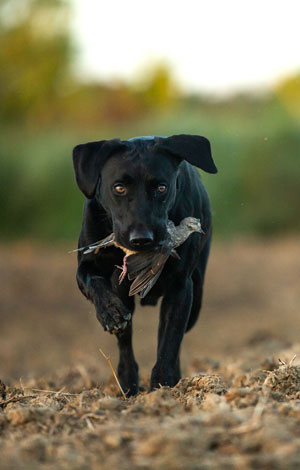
<point>141,238</point>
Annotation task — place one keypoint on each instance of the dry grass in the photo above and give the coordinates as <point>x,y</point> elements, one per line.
<point>237,407</point>
<point>113,372</point>
<point>232,417</point>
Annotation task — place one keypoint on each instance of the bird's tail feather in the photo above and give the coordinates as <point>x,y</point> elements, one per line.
<point>144,282</point>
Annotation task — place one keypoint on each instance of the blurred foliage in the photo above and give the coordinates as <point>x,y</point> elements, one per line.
<point>37,82</point>
<point>35,57</point>
<point>256,149</point>
<point>45,111</point>
<point>157,86</point>
<point>288,91</point>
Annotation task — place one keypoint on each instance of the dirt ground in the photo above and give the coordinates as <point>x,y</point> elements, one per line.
<point>236,407</point>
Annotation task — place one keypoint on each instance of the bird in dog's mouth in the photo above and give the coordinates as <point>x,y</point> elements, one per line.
<point>144,268</point>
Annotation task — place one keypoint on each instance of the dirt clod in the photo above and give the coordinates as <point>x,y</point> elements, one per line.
<point>232,416</point>
<point>236,407</point>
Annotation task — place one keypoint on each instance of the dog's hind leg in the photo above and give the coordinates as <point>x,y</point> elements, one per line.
<point>198,280</point>
<point>197,298</point>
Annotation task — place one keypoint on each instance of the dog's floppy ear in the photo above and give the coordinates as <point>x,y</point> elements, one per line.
<point>192,148</point>
<point>88,160</point>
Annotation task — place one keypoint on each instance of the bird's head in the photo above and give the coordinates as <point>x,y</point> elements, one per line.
<point>192,224</point>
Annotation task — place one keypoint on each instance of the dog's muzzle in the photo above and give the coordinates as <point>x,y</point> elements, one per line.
<point>141,238</point>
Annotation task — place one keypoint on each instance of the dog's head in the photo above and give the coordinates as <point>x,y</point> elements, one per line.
<point>135,181</point>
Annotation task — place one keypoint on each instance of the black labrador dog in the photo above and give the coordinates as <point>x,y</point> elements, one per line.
<point>132,188</point>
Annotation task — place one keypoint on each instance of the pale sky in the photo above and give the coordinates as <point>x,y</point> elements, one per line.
<point>215,46</point>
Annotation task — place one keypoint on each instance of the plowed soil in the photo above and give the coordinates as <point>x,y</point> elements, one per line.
<point>236,407</point>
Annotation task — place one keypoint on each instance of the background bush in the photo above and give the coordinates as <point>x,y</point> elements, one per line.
<point>45,110</point>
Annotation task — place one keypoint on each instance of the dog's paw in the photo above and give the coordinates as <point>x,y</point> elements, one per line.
<point>164,376</point>
<point>114,317</point>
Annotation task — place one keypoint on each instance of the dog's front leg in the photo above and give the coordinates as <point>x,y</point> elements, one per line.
<point>174,315</point>
<point>111,311</point>
<point>127,368</point>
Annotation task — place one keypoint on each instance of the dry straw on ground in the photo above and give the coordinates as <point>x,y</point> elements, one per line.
<point>229,415</point>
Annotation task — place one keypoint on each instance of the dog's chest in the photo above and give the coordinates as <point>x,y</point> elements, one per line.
<point>108,258</point>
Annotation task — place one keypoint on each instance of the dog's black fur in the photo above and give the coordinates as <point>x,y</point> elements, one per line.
<point>160,183</point>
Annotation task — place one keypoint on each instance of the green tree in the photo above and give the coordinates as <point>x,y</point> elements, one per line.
<point>157,86</point>
<point>288,92</point>
<point>35,56</point>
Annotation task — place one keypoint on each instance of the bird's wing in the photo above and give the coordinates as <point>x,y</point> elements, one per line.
<point>150,269</point>
<point>138,262</point>
<point>149,260</point>
<point>175,254</point>
<point>144,282</point>
<point>107,241</point>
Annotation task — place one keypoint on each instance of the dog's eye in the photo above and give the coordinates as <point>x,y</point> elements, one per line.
<point>120,189</point>
<point>161,188</point>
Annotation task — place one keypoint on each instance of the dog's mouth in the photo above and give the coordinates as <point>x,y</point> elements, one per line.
<point>137,247</point>
<point>142,244</point>
<point>139,240</point>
